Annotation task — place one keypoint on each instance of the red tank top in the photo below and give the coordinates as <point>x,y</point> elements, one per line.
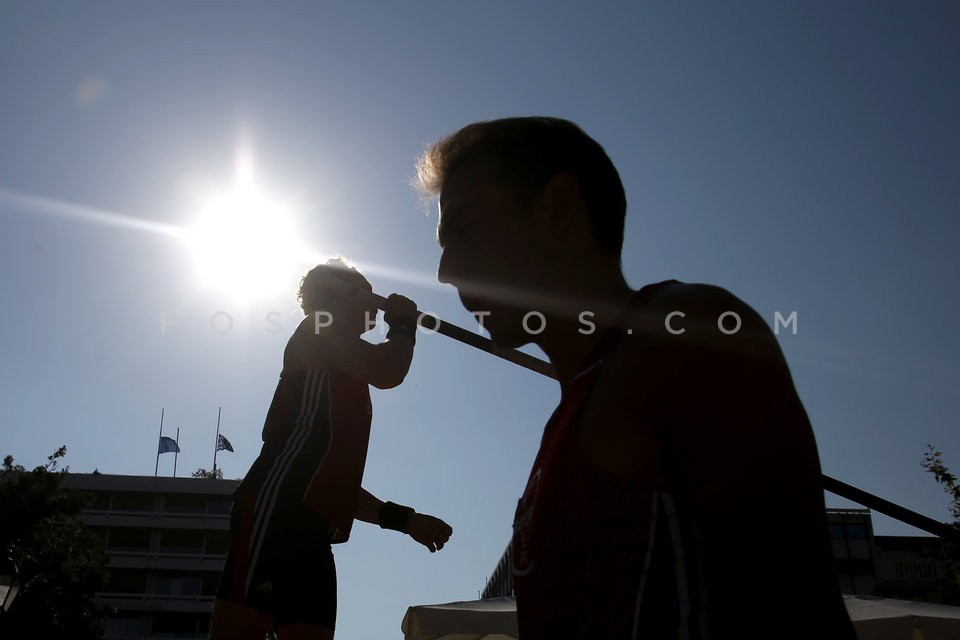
<point>594,555</point>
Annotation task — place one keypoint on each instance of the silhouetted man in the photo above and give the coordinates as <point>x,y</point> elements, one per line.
<point>677,490</point>
<point>303,491</point>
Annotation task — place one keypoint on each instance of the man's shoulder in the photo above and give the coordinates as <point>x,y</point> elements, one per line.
<point>680,327</point>
<point>673,295</point>
<point>702,309</point>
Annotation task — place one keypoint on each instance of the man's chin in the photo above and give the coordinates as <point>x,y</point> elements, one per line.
<point>502,322</point>
<point>509,335</point>
<point>475,305</point>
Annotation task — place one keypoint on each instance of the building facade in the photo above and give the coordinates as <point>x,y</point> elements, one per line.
<point>167,539</point>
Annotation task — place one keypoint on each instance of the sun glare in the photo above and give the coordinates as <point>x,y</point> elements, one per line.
<point>246,245</point>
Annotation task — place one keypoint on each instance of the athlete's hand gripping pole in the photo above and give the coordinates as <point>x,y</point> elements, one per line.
<point>433,324</point>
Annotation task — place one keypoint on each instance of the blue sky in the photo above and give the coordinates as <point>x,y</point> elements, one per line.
<point>804,155</point>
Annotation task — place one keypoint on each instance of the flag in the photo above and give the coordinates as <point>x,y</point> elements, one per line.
<point>168,445</point>
<point>223,443</point>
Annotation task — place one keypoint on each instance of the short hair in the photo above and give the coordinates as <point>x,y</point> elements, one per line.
<point>315,283</point>
<point>524,153</point>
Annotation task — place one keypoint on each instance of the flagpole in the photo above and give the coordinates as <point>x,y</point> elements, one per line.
<point>176,453</point>
<point>157,466</point>
<point>216,441</point>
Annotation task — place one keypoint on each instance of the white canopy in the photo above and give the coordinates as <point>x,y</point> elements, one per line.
<point>491,619</point>
<point>887,619</point>
<point>496,619</point>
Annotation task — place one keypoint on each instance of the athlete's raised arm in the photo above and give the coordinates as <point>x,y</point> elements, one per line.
<point>331,338</point>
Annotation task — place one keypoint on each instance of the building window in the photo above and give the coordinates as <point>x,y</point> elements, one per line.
<point>101,502</point>
<point>859,549</point>
<point>209,582</point>
<point>100,534</point>
<point>217,543</point>
<point>169,624</point>
<point>179,503</point>
<point>177,584</point>
<point>133,501</point>
<point>839,548</point>
<point>181,541</point>
<point>850,540</point>
<point>856,531</point>
<point>125,625</point>
<point>128,540</point>
<point>219,507</point>
<point>127,581</point>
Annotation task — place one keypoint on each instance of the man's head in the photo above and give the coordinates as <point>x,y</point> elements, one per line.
<point>332,287</point>
<point>524,154</point>
<point>531,218</point>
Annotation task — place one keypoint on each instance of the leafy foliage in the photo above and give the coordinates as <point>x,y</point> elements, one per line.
<point>204,473</point>
<point>61,564</point>
<point>933,462</point>
<point>949,588</point>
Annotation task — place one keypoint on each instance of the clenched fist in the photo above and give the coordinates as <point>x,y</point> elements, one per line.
<point>429,531</point>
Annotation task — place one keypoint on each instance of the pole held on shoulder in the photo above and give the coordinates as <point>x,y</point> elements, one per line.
<point>434,324</point>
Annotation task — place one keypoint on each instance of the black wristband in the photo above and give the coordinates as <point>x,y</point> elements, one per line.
<point>403,330</point>
<point>394,516</point>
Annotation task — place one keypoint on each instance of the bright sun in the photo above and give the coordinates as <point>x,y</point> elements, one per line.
<point>245,244</point>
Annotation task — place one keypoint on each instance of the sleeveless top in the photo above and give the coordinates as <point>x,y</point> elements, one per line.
<point>595,555</point>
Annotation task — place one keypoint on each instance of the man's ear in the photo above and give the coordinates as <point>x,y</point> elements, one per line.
<point>562,203</point>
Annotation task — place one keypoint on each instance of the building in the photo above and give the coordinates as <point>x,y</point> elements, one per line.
<point>909,567</point>
<point>905,567</point>
<point>852,541</point>
<point>167,539</point>
<point>889,566</point>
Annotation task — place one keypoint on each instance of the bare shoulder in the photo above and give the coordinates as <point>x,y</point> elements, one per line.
<point>704,319</point>
<point>674,319</point>
<point>692,355</point>
<point>706,303</point>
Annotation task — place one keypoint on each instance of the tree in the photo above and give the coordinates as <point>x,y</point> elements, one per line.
<point>948,589</point>
<point>204,473</point>
<point>61,564</point>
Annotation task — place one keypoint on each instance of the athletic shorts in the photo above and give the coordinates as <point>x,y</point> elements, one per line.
<point>286,569</point>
